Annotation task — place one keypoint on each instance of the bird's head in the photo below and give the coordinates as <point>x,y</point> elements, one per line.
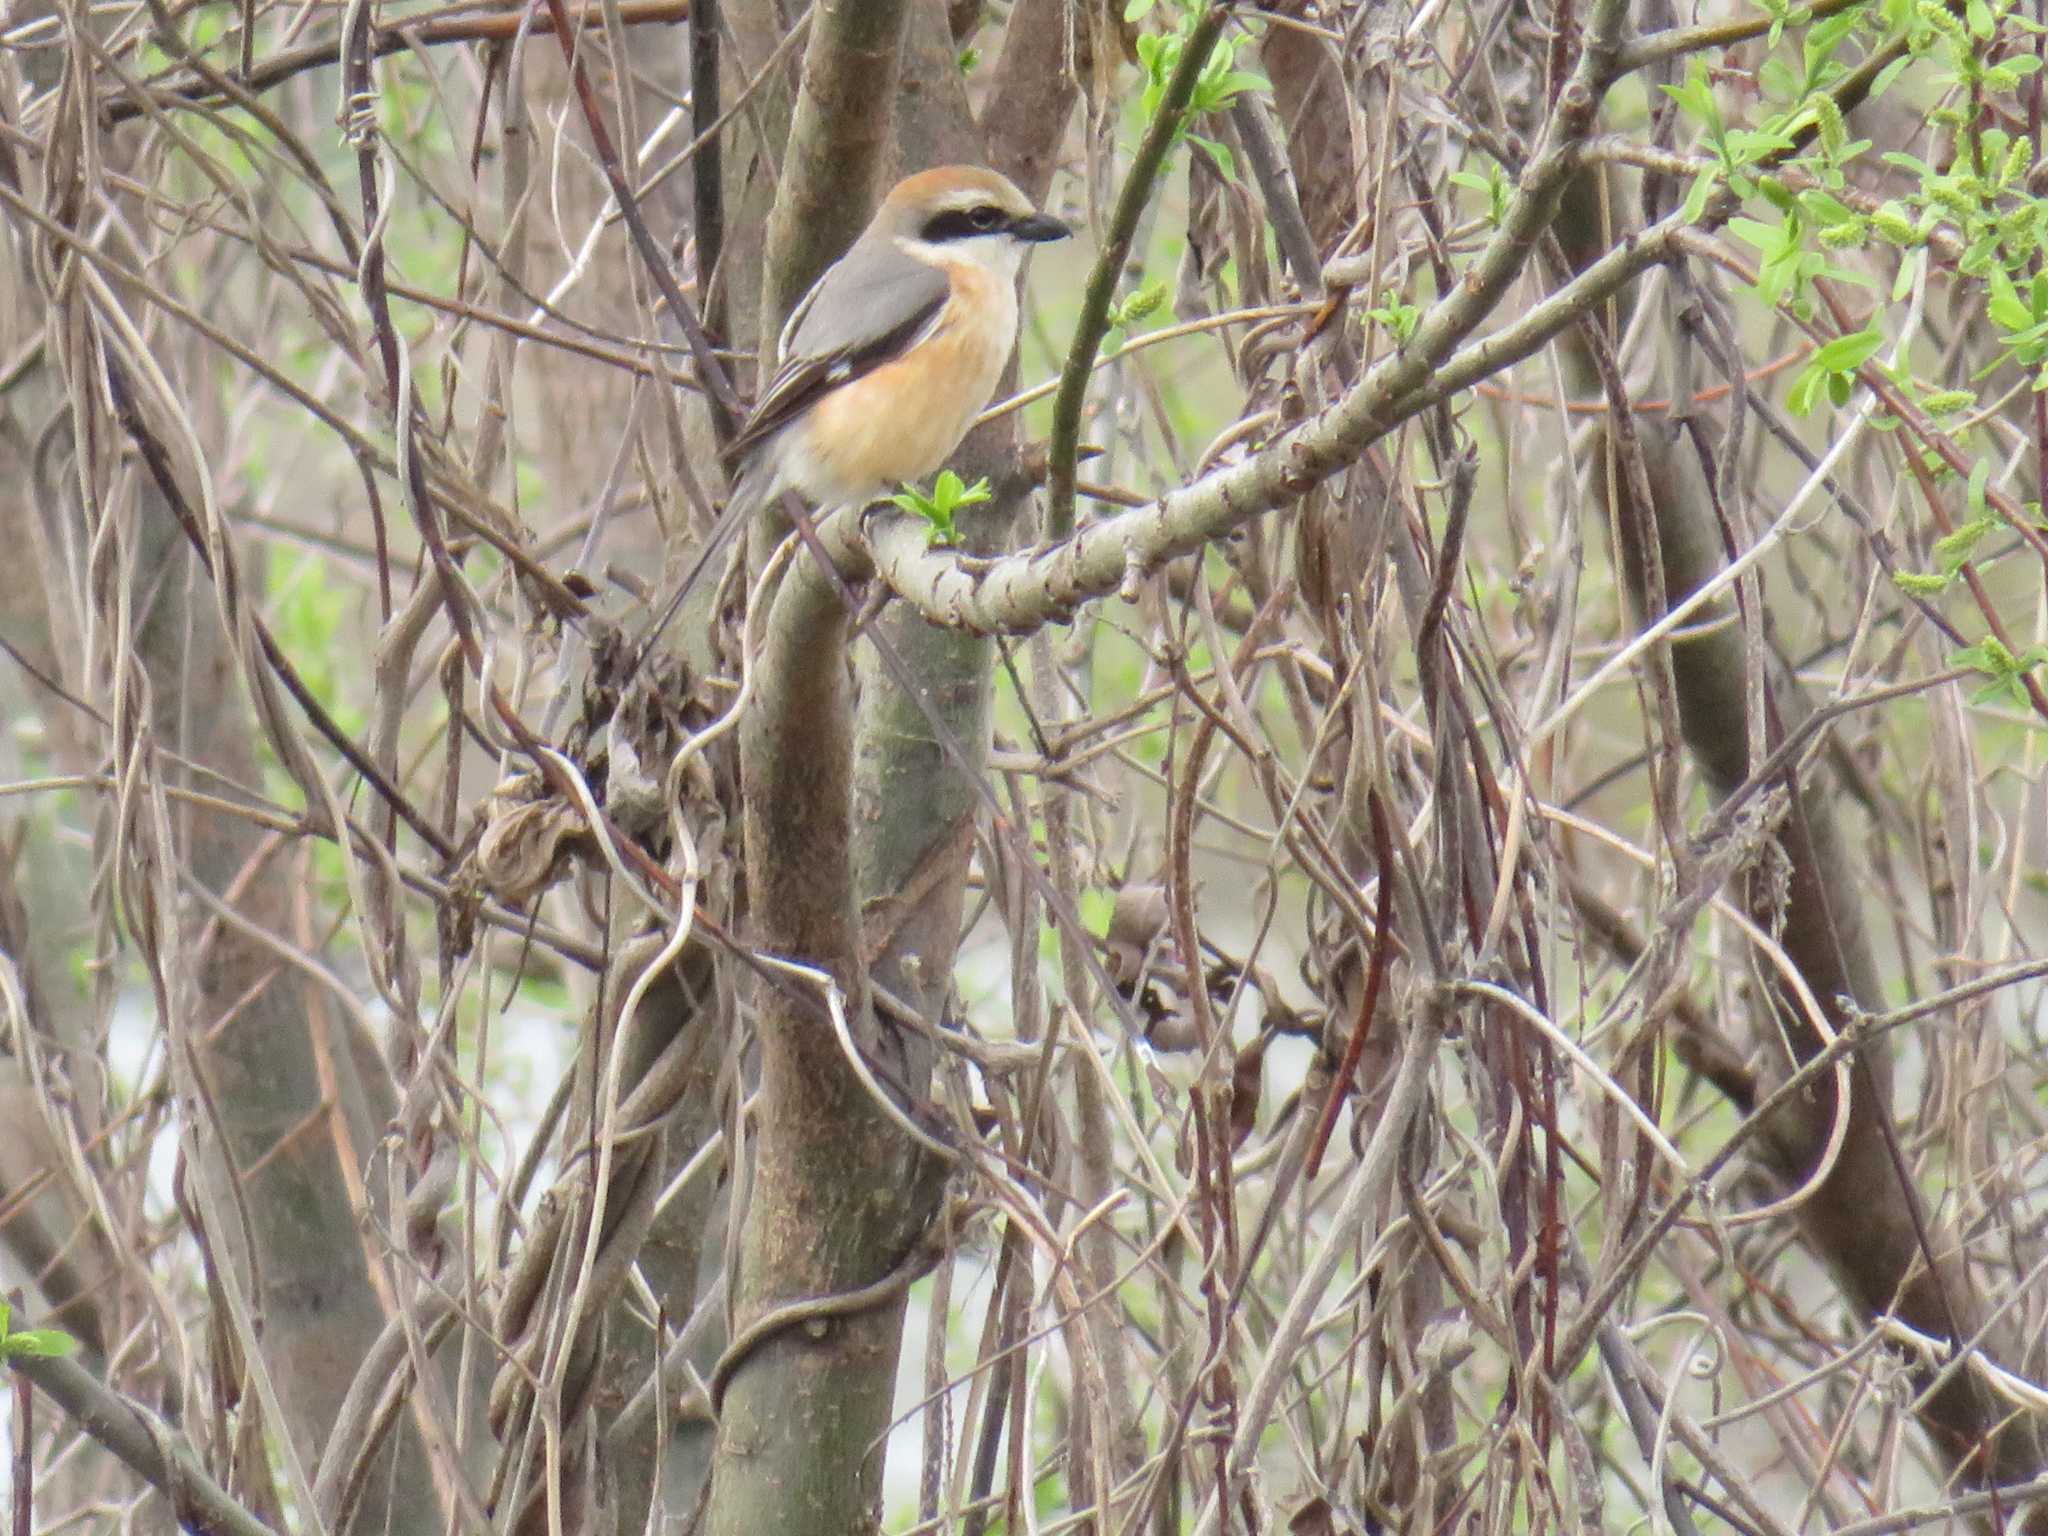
<point>965,212</point>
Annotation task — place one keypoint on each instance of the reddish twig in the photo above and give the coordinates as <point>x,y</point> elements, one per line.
<point>1375,978</point>
<point>718,391</point>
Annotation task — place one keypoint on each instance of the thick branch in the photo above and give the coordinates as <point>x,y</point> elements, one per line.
<point>143,1443</point>
<point>1031,96</point>
<point>835,1201</point>
<point>837,138</point>
<point>1024,591</point>
<point>1019,593</point>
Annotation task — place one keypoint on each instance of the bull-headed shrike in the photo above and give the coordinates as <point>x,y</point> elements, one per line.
<point>886,362</point>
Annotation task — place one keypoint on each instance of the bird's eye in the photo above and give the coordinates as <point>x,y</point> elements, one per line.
<point>966,223</point>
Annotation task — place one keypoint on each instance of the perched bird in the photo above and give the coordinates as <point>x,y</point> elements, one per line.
<point>888,359</point>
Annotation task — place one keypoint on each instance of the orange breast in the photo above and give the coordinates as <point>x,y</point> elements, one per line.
<point>902,421</point>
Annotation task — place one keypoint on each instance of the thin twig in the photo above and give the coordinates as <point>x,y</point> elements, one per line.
<point>1093,324</point>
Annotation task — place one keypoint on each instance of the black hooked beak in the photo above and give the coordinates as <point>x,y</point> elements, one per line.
<point>1039,228</point>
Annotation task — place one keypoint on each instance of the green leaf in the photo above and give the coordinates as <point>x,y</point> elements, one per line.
<point>1695,98</point>
<point>1800,397</point>
<point>2004,303</point>
<point>952,493</point>
<point>1226,162</point>
<point>1138,10</point>
<point>1702,189</point>
<point>1398,318</point>
<point>1751,144</point>
<point>1980,481</point>
<point>39,1344</point>
<point>1824,36</point>
<point>947,497</point>
<point>1845,354</point>
<point>2008,673</point>
<point>1778,81</point>
<point>1826,209</point>
<point>1887,76</point>
<point>2005,690</point>
<point>1841,275</point>
<point>1765,237</point>
<point>1986,656</point>
<point>1096,908</point>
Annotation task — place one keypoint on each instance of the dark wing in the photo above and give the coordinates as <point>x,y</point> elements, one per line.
<point>862,312</point>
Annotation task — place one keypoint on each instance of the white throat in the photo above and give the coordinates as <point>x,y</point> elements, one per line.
<point>1000,254</point>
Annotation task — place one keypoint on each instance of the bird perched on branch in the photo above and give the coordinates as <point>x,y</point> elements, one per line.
<point>886,362</point>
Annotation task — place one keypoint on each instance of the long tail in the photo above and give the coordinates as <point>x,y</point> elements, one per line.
<point>749,492</point>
